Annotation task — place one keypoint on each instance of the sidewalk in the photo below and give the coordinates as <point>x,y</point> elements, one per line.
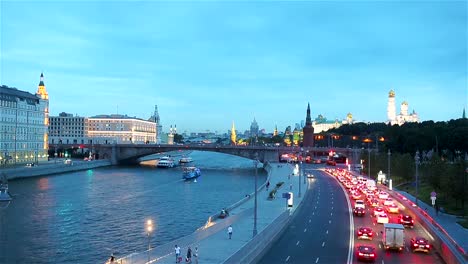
<point>448,222</point>
<point>212,241</point>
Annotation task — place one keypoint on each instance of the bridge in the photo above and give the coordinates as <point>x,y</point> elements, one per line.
<point>131,153</point>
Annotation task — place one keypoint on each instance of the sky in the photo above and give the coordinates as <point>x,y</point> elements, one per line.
<point>207,64</point>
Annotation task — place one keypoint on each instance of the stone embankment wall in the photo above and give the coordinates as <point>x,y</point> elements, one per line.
<point>52,168</point>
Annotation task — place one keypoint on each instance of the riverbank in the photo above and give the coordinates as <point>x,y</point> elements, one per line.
<point>51,168</point>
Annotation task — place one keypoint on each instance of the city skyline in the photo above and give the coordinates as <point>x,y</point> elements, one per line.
<point>207,64</point>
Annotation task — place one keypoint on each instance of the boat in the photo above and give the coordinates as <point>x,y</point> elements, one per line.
<point>185,160</point>
<point>166,162</point>
<point>4,194</point>
<point>189,173</point>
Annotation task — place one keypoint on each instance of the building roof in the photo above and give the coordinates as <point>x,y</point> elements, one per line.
<point>6,91</point>
<point>117,116</point>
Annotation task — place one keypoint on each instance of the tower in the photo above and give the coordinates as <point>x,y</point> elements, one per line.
<point>391,109</point>
<point>275,132</point>
<point>43,95</point>
<point>308,130</point>
<point>170,136</point>
<point>464,115</point>
<point>158,124</point>
<point>233,134</point>
<point>404,108</point>
<point>254,128</point>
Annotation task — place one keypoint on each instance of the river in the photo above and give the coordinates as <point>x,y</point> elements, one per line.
<point>83,217</point>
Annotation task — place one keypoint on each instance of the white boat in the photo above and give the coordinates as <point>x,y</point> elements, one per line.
<point>185,160</point>
<point>166,162</point>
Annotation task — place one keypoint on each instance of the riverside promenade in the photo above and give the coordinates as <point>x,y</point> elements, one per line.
<point>212,240</point>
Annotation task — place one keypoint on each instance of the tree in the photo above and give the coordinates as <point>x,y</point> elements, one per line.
<point>178,138</point>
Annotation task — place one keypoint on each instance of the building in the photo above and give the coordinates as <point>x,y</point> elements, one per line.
<point>404,116</point>
<point>120,129</point>
<point>23,125</point>
<point>155,118</point>
<point>68,129</point>
<point>308,131</point>
<point>170,136</point>
<point>254,128</point>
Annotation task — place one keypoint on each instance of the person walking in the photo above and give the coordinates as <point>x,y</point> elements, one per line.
<point>189,255</point>
<point>230,231</point>
<point>177,253</point>
<point>267,185</point>
<point>195,254</point>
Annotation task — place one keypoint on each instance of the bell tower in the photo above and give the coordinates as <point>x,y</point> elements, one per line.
<point>44,96</point>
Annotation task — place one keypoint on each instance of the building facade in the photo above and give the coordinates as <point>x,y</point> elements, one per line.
<point>254,128</point>
<point>68,129</point>
<point>120,129</point>
<point>308,130</point>
<point>23,125</point>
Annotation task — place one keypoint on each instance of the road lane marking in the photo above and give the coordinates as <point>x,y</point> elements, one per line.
<point>316,261</point>
<point>332,202</point>
<point>305,230</point>
<point>297,243</point>
<point>327,232</point>
<point>323,244</point>
<point>313,213</point>
<point>383,262</point>
<point>331,214</point>
<point>329,221</point>
<point>380,246</point>
<point>287,258</point>
<point>407,249</point>
<point>310,220</point>
<point>332,207</point>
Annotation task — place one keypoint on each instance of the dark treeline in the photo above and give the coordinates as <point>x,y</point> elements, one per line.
<point>442,148</point>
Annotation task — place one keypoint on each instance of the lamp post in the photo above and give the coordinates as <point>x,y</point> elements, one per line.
<point>255,209</point>
<point>389,154</point>
<point>149,229</point>
<point>416,161</point>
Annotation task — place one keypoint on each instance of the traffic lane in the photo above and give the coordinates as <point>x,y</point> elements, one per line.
<point>306,239</point>
<point>383,256</point>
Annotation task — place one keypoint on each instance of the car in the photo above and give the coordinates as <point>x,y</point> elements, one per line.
<point>374,203</point>
<point>383,195</point>
<point>378,210</point>
<point>393,209</point>
<point>359,203</point>
<point>388,201</point>
<point>310,175</point>
<point>365,233</point>
<point>30,165</point>
<point>382,218</point>
<point>359,211</point>
<point>68,161</point>
<point>420,244</point>
<point>406,221</point>
<point>366,252</point>
<point>356,195</point>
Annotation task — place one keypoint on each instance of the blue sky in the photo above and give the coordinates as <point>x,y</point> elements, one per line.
<point>207,64</point>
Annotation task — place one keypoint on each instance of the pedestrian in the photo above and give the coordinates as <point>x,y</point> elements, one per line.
<point>189,255</point>
<point>267,185</point>
<point>195,254</point>
<point>230,231</point>
<point>177,254</point>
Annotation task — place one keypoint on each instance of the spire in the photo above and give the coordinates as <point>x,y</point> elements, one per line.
<point>308,119</point>
<point>464,115</point>
<point>233,134</point>
<point>41,89</point>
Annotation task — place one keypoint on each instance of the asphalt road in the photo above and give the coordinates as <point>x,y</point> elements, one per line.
<point>320,229</point>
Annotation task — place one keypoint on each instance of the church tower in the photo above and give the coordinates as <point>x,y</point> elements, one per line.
<point>254,128</point>
<point>158,125</point>
<point>391,108</point>
<point>275,132</point>
<point>464,115</point>
<point>44,96</point>
<point>233,135</point>
<point>308,130</point>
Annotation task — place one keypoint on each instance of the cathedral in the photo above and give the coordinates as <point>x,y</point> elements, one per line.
<point>401,118</point>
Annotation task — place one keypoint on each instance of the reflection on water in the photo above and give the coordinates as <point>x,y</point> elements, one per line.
<point>82,217</point>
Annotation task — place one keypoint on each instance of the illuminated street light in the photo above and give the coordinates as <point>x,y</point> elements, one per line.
<point>149,229</point>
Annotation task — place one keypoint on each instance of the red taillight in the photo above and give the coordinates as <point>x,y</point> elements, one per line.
<point>415,245</point>
<point>360,254</point>
<point>428,246</point>
<point>370,233</point>
<point>412,221</point>
<point>372,255</point>
<point>359,233</point>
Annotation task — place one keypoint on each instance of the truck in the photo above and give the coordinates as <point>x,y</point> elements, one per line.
<point>393,236</point>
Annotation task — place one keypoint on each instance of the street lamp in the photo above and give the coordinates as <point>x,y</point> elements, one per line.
<point>255,209</point>
<point>389,180</point>
<point>416,161</point>
<point>149,229</point>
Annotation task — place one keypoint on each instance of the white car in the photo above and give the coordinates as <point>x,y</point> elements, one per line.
<point>388,201</point>
<point>359,204</point>
<point>382,218</point>
<point>393,208</point>
<point>383,195</point>
<point>378,211</point>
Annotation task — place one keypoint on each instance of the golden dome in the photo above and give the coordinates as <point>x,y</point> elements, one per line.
<point>391,93</point>
<point>404,103</point>
<point>349,115</point>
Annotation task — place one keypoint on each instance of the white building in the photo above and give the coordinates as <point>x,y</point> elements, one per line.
<point>404,116</point>
<point>23,125</point>
<point>120,129</point>
<point>322,124</point>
